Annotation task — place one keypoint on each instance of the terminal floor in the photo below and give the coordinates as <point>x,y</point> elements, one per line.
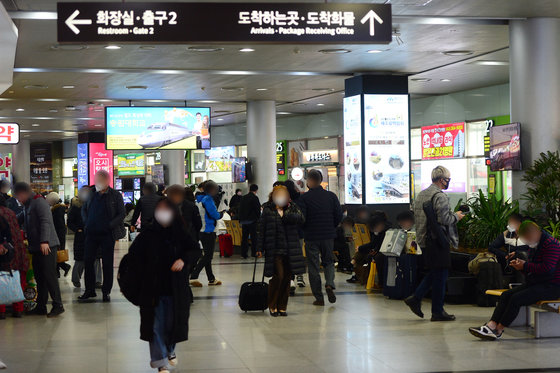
<point>360,333</point>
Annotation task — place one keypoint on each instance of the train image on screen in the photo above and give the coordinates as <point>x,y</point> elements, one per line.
<point>158,135</point>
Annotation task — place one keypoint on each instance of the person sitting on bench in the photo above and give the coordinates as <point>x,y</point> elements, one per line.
<point>543,281</point>
<point>507,245</point>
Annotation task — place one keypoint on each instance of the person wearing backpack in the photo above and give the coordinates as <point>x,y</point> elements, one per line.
<point>210,215</point>
<point>436,232</point>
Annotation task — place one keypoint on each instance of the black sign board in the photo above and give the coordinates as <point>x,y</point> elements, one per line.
<point>224,22</point>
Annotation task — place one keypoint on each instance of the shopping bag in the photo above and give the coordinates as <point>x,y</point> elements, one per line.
<point>373,278</point>
<point>10,287</point>
<point>62,256</point>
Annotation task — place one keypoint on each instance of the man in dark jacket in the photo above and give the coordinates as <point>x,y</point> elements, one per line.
<point>249,214</point>
<point>43,244</point>
<point>103,216</point>
<point>235,201</point>
<point>146,206</point>
<point>322,213</point>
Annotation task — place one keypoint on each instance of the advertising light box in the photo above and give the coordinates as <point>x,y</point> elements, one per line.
<point>130,128</point>
<point>505,147</point>
<point>83,165</point>
<point>131,164</point>
<point>219,159</point>
<point>100,159</point>
<point>353,150</point>
<point>443,141</point>
<point>387,152</point>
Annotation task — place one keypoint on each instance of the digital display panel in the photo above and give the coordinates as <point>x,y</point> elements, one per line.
<point>131,164</point>
<point>118,184</point>
<point>353,150</point>
<point>505,147</point>
<point>100,159</point>
<point>129,128</point>
<point>128,197</point>
<point>238,170</point>
<point>219,159</point>
<point>137,183</point>
<point>443,141</point>
<point>83,165</point>
<point>387,151</point>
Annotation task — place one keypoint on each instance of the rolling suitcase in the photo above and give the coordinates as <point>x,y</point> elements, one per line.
<point>226,245</point>
<point>401,275</point>
<point>254,295</point>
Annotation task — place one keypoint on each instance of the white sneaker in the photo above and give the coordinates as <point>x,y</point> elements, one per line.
<point>173,361</point>
<point>300,281</point>
<point>216,282</point>
<point>485,333</point>
<point>2,365</point>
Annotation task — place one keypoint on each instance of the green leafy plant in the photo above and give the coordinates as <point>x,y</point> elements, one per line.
<point>553,228</point>
<point>543,188</point>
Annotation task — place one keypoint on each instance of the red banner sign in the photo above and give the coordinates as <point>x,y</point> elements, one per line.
<point>443,141</point>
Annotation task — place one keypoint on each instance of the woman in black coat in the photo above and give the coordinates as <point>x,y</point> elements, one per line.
<point>278,229</point>
<point>162,253</point>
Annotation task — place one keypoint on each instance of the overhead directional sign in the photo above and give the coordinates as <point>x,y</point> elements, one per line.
<point>317,23</point>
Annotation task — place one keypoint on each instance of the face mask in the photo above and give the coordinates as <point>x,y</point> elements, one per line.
<point>164,217</point>
<point>280,201</point>
<point>100,186</point>
<point>511,228</point>
<point>376,233</point>
<point>445,184</point>
<point>533,245</point>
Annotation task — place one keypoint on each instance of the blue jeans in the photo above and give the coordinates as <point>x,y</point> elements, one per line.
<point>160,345</point>
<point>436,280</point>
<point>320,252</point>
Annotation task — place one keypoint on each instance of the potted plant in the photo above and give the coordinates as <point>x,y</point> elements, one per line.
<point>543,189</point>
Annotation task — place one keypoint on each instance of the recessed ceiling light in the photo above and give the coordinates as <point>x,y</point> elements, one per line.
<point>445,80</point>
<point>220,119</point>
<point>283,113</point>
<point>112,47</point>
<point>53,111</point>
<point>97,125</point>
<point>208,101</point>
<point>35,125</point>
<point>421,80</point>
<point>232,89</point>
<point>68,87</point>
<point>458,53</point>
<point>323,89</point>
<point>262,89</point>
<point>166,87</point>
<point>246,50</point>
<point>334,51</point>
<point>35,86</point>
<point>147,47</point>
<point>205,49</point>
<point>136,87</point>
<point>375,51</point>
<point>325,137</point>
<point>70,108</point>
<point>69,47</point>
<point>491,63</point>
<point>10,92</point>
<point>320,104</point>
<point>20,109</point>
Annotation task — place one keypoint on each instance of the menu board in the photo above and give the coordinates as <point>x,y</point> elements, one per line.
<point>387,152</point>
<point>443,141</point>
<point>353,150</point>
<point>83,165</point>
<point>100,159</point>
<point>131,164</point>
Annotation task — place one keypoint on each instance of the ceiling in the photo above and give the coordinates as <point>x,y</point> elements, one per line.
<point>299,78</point>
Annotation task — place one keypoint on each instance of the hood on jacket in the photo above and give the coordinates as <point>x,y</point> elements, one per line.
<point>76,202</point>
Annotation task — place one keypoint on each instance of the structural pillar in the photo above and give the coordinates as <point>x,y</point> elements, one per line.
<point>174,160</point>
<point>534,88</point>
<point>21,161</point>
<point>261,144</point>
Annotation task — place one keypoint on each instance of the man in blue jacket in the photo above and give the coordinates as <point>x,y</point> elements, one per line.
<point>210,215</point>
<point>322,213</point>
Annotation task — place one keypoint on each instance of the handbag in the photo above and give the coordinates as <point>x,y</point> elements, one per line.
<point>10,287</point>
<point>62,256</point>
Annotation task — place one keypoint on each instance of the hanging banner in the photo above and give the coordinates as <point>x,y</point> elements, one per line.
<point>443,141</point>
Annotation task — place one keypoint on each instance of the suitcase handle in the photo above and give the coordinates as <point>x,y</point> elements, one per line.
<point>255,270</point>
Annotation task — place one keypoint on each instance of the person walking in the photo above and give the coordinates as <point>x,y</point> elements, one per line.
<point>145,206</point>
<point>207,208</point>
<point>188,210</point>
<point>323,213</point>
<point>43,244</point>
<point>58,210</point>
<point>103,216</point>
<point>294,196</point>
<point>279,240</point>
<point>161,253</point>
<point>249,214</point>
<point>436,232</point>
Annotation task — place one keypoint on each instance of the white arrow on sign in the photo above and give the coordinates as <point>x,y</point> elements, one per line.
<point>371,16</point>
<point>71,22</point>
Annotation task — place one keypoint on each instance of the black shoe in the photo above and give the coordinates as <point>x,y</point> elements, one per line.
<point>319,303</point>
<point>38,311</point>
<point>55,312</point>
<point>85,297</point>
<point>330,294</point>
<point>352,280</point>
<point>273,314</point>
<point>415,306</point>
<point>283,313</point>
<point>444,316</point>
<point>98,285</point>
<point>67,269</point>
<point>106,298</point>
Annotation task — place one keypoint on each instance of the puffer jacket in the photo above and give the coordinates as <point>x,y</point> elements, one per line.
<point>274,229</point>
<point>76,225</point>
<point>322,212</point>
<point>115,209</point>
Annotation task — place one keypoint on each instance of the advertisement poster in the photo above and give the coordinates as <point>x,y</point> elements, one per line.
<point>505,147</point>
<point>100,159</point>
<point>131,164</point>
<point>83,165</point>
<point>130,128</point>
<point>199,161</point>
<point>458,168</point>
<point>238,170</point>
<point>386,132</point>
<point>6,166</point>
<point>158,173</point>
<point>296,149</point>
<point>443,141</point>
<point>281,160</point>
<point>353,150</point>
<point>41,167</point>
<point>219,159</point>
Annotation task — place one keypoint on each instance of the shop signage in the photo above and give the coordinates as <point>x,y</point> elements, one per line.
<point>153,22</point>
<point>100,159</point>
<point>320,157</point>
<point>281,158</point>
<point>41,167</point>
<point>6,166</point>
<point>443,141</point>
<point>9,133</point>
<point>83,165</point>
<point>297,173</point>
<point>131,164</point>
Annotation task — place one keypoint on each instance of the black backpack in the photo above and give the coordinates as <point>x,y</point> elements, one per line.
<point>129,278</point>
<point>489,277</point>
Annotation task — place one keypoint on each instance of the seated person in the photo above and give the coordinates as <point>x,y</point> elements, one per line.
<point>543,281</point>
<point>363,215</point>
<point>342,244</point>
<point>365,253</point>
<point>405,220</point>
<point>508,242</point>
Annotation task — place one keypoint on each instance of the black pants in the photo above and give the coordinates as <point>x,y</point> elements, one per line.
<point>344,259</point>
<point>44,269</point>
<point>107,245</point>
<point>249,230</point>
<point>208,245</point>
<point>279,286</point>
<point>512,300</point>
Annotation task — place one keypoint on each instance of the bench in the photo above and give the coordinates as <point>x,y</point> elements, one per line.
<point>546,324</point>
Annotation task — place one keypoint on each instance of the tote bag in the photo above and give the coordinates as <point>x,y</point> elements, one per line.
<point>10,287</point>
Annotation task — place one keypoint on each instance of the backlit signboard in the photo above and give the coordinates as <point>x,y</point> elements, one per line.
<point>100,159</point>
<point>9,133</point>
<point>505,147</point>
<point>353,150</point>
<point>443,141</point>
<point>131,164</point>
<point>387,152</point>
<point>83,165</point>
<point>130,128</point>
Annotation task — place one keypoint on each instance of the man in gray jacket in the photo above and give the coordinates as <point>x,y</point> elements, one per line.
<point>436,233</point>
<point>43,244</point>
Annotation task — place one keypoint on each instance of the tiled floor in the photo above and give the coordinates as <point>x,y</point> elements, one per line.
<point>360,333</point>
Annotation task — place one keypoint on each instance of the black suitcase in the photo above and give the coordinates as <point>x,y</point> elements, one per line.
<point>401,276</point>
<point>254,295</point>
